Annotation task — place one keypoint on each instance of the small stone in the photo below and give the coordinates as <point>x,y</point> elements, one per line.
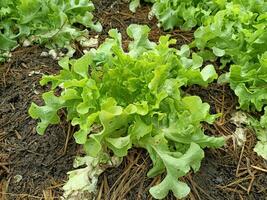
<point>36,92</point>
<point>44,54</point>
<point>34,72</point>
<point>53,54</point>
<point>26,43</point>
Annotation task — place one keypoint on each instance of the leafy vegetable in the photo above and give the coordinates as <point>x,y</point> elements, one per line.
<point>135,3</point>
<point>249,83</point>
<point>234,31</point>
<point>135,99</point>
<point>181,13</point>
<point>260,128</point>
<point>238,35</point>
<point>49,22</point>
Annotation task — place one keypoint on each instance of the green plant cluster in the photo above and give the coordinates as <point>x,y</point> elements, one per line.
<point>238,35</point>
<point>49,22</point>
<point>121,100</point>
<point>260,127</point>
<point>233,31</point>
<point>181,13</point>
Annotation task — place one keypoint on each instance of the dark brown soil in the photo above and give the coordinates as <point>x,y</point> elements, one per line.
<point>34,167</point>
<point>39,161</point>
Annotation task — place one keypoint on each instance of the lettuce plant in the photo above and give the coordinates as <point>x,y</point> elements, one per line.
<point>189,14</point>
<point>249,84</point>
<point>121,100</point>
<point>47,22</point>
<point>135,3</point>
<point>233,31</point>
<point>260,127</point>
<point>181,13</point>
<point>238,35</point>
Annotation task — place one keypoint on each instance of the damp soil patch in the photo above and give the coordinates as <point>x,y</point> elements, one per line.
<point>32,163</point>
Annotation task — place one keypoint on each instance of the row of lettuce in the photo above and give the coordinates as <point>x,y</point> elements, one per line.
<point>121,100</point>
<point>233,31</point>
<point>46,22</point>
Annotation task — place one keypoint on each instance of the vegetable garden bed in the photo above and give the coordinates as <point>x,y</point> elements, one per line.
<point>36,167</point>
